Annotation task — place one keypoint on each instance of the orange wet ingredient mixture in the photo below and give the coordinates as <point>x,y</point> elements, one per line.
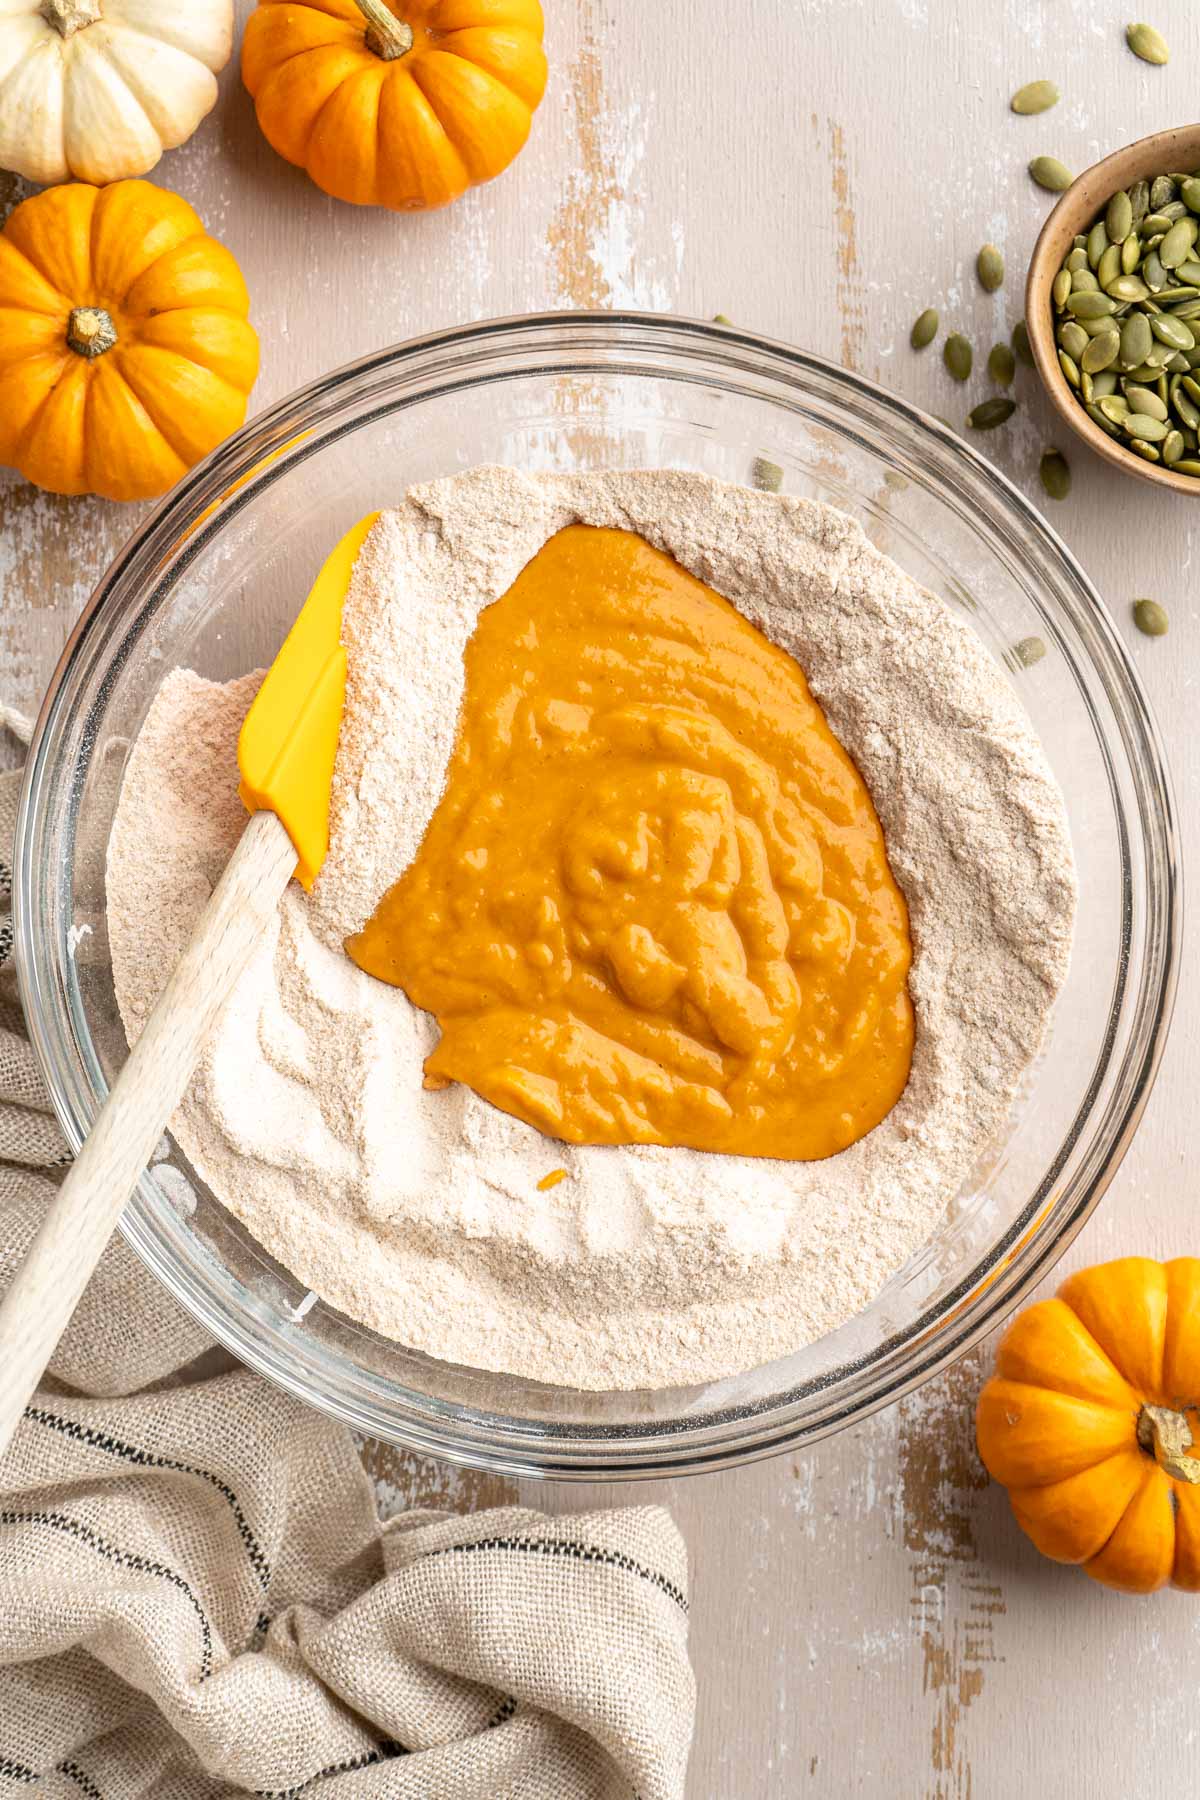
<point>653,905</point>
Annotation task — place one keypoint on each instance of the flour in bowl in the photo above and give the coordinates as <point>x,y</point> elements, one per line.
<point>420,1213</point>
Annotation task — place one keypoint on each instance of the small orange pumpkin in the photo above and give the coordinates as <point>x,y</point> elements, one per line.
<point>1090,1419</point>
<point>125,350</point>
<point>403,105</point>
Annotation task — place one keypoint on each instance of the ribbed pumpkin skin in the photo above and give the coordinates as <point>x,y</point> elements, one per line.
<point>1058,1422</point>
<point>127,423</point>
<point>409,134</point>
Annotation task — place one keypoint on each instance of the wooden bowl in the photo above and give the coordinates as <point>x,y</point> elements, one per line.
<point>1079,207</point>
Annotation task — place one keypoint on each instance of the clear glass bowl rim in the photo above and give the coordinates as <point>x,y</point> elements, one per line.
<point>299,425</point>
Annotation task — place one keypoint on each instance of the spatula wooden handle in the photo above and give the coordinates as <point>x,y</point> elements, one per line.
<point>46,1288</point>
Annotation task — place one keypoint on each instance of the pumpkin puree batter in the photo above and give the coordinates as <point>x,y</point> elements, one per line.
<point>653,905</point>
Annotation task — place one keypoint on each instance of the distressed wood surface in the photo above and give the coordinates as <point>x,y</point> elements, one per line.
<point>867,1618</point>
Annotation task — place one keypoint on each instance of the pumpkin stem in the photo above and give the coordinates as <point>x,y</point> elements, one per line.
<point>387,35</point>
<point>70,16</point>
<point>1167,1435</point>
<point>90,331</point>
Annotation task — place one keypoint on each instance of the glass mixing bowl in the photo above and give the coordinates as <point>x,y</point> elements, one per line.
<point>215,576</point>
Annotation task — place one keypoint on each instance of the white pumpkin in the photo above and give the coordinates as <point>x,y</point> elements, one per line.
<point>96,90</point>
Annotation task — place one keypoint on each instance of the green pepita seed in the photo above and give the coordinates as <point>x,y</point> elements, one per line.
<point>1091,305</point>
<point>1187,465</point>
<point>1035,97</point>
<point>1172,447</point>
<point>1185,408</point>
<point>989,266</point>
<point>1118,218</point>
<point>1153,273</point>
<point>958,356</point>
<point>1060,290</point>
<point>1103,384</point>
<point>1144,400</point>
<point>1101,351</point>
<point>1136,339</point>
<point>1078,259</point>
<point>1147,452</point>
<point>1128,287</point>
<point>1030,650</point>
<point>1141,425</point>
<point>1115,409</point>
<point>1172,331</point>
<point>1073,338</point>
<point>925,328</point>
<point>1001,365</point>
<point>1020,344</point>
<point>721,319</point>
<point>1051,174</point>
<point>767,475</point>
<point>1147,43</point>
<point>1108,269</point>
<point>1131,253</point>
<point>1139,200</point>
<point>1055,476</point>
<point>1097,243</point>
<point>1162,191</point>
<point>990,413</point>
<point>1069,368</point>
<point>1084,282</point>
<point>1151,618</point>
<point>1098,418</point>
<point>1176,246</point>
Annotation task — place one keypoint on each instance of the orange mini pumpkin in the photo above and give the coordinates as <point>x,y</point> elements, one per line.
<point>403,105</point>
<point>125,350</point>
<point>1090,1419</point>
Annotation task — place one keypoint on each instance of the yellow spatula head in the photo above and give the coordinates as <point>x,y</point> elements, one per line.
<point>289,737</point>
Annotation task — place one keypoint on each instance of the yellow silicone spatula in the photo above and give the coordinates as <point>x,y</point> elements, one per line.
<point>285,757</point>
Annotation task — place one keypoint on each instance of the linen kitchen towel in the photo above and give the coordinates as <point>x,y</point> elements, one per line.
<point>197,1598</point>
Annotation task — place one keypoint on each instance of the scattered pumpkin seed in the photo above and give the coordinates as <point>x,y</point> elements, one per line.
<point>721,319</point>
<point>1147,43</point>
<point>925,328</point>
<point>1151,618</point>
<point>1035,97</point>
<point>958,356</point>
<point>1001,365</point>
<point>990,413</point>
<point>1055,475</point>
<point>1030,650</point>
<point>1020,343</point>
<point>767,475</point>
<point>1051,174</point>
<point>989,266</point>
<point>1118,217</point>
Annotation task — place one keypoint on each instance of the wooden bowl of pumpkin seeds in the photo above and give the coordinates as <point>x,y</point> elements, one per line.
<point>1112,306</point>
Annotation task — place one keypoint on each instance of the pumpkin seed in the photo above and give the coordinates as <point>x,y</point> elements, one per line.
<point>1051,174</point>
<point>1131,253</point>
<point>1147,43</point>
<point>1021,345</point>
<point>1155,224</point>
<point>1084,282</point>
<point>1030,650</point>
<point>958,356</point>
<point>925,328</point>
<point>767,475</point>
<point>1108,269</point>
<point>1187,465</point>
<point>1097,243</point>
<point>1144,400</point>
<point>1091,305</point>
<point>1151,618</point>
<point>1069,367</point>
<point>1115,409</point>
<point>1142,425</point>
<point>1001,365</point>
<point>1172,447</point>
<point>1055,475</point>
<point>1189,271</point>
<point>1118,218</point>
<point>1060,288</point>
<point>1185,408</point>
<point>1128,287</point>
<point>990,413</point>
<point>1098,417</point>
<point>989,266</point>
<point>1103,384</point>
<point>1035,97</point>
<point>721,319</point>
<point>1162,191</point>
<point>1139,200</point>
<point>1189,192</point>
<point>1169,331</point>
<point>1101,351</point>
<point>1078,259</point>
<point>1136,339</point>
<point>1176,246</point>
<point>1147,452</point>
<point>1073,338</point>
<point>1153,273</point>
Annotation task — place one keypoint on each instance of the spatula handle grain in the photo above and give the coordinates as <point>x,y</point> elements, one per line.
<point>46,1288</point>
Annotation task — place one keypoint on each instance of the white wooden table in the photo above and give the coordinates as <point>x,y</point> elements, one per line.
<point>867,1618</point>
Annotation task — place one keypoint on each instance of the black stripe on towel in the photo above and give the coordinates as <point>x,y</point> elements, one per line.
<point>557,1547</point>
<point>384,1753</point>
